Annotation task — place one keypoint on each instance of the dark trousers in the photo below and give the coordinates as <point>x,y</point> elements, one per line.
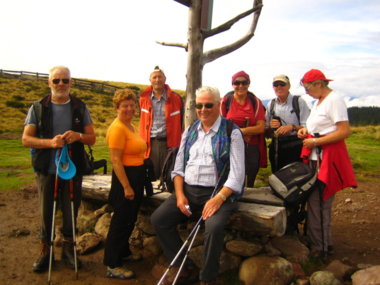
<point>289,150</point>
<point>252,161</point>
<point>45,185</point>
<point>166,218</point>
<point>158,154</point>
<point>124,216</point>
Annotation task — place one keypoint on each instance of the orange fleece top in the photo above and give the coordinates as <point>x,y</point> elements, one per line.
<point>119,136</point>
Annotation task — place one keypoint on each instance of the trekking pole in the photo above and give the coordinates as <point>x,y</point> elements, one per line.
<point>55,196</point>
<point>73,226</point>
<point>193,231</point>
<point>180,251</point>
<point>186,254</point>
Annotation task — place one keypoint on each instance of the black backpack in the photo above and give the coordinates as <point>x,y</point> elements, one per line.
<point>165,179</point>
<point>293,183</point>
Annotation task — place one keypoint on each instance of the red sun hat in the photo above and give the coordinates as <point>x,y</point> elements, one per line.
<point>314,75</point>
<point>240,74</point>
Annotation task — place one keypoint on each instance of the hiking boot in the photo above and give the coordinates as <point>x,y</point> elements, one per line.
<point>68,254</point>
<point>42,262</point>
<point>133,257</point>
<point>120,273</point>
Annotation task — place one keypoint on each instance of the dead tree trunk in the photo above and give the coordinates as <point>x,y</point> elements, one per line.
<point>197,58</point>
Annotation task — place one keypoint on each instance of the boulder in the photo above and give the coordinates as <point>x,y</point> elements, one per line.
<point>266,270</point>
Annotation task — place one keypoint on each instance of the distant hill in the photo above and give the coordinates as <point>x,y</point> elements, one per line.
<point>17,94</point>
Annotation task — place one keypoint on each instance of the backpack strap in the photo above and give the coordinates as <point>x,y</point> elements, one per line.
<point>296,106</point>
<point>38,114</point>
<point>271,108</point>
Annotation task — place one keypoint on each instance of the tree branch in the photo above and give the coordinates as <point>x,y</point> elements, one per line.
<point>185,46</point>
<point>219,52</point>
<point>227,25</point>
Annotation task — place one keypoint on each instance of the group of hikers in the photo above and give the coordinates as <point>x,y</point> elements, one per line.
<point>218,156</point>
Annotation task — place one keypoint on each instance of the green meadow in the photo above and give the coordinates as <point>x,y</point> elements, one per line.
<point>16,95</point>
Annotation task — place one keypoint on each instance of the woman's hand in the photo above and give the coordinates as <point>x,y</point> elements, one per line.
<point>129,193</point>
<point>302,133</point>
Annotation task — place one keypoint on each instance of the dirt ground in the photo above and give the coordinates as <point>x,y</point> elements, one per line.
<point>356,232</point>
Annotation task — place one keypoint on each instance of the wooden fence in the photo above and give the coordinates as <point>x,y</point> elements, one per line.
<point>78,83</point>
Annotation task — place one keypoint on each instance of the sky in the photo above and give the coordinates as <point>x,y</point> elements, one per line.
<point>115,40</point>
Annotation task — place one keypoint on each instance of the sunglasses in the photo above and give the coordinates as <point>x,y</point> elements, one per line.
<point>276,84</point>
<point>64,81</point>
<point>244,82</point>
<point>199,106</point>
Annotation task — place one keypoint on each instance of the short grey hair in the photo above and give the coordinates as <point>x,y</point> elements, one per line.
<point>207,89</point>
<point>60,67</point>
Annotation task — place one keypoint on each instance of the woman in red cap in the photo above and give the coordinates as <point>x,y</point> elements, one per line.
<point>247,111</point>
<point>323,139</point>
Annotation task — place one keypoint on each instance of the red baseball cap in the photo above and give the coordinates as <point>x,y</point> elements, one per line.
<point>314,75</point>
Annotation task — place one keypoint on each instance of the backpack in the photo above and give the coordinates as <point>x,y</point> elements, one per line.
<point>293,183</point>
<point>252,98</point>
<point>165,179</point>
<point>89,163</point>
<point>295,105</point>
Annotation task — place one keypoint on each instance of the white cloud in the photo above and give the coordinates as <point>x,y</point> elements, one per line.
<point>115,40</point>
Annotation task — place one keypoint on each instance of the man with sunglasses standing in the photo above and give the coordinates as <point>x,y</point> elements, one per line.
<point>285,115</point>
<point>52,122</point>
<point>203,186</point>
<point>247,111</point>
<point>160,119</point>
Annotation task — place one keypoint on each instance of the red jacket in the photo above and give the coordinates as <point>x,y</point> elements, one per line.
<point>336,169</point>
<point>173,117</point>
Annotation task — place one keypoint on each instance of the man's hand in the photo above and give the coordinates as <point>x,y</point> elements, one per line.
<point>71,136</point>
<point>211,207</point>
<point>57,142</point>
<point>181,204</point>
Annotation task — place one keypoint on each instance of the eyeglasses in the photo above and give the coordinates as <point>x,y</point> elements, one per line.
<point>199,106</point>
<point>64,80</point>
<point>237,82</point>
<point>276,84</point>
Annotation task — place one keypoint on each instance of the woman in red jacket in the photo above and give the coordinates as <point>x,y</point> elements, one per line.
<point>247,111</point>
<point>326,129</point>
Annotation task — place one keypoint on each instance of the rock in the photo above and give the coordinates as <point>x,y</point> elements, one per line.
<point>323,278</point>
<point>340,270</point>
<point>87,242</point>
<point>243,248</point>
<point>86,221</point>
<point>143,223</point>
<point>152,246</point>
<point>19,232</point>
<point>291,248</point>
<point>228,261</point>
<point>266,270</point>
<point>103,224</point>
<point>369,276</point>
<point>271,250</point>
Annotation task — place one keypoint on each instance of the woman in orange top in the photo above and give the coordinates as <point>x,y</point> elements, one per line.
<point>127,150</point>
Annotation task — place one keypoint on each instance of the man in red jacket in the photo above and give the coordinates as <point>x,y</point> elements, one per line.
<point>160,119</point>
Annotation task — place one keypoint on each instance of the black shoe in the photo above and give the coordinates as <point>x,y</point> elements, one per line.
<point>42,263</point>
<point>68,254</point>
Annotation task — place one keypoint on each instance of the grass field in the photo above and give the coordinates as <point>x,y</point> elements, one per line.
<point>16,171</point>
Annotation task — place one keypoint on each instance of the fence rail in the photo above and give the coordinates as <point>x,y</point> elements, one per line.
<point>78,83</point>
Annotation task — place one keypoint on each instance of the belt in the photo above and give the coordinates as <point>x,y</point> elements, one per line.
<point>159,139</point>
